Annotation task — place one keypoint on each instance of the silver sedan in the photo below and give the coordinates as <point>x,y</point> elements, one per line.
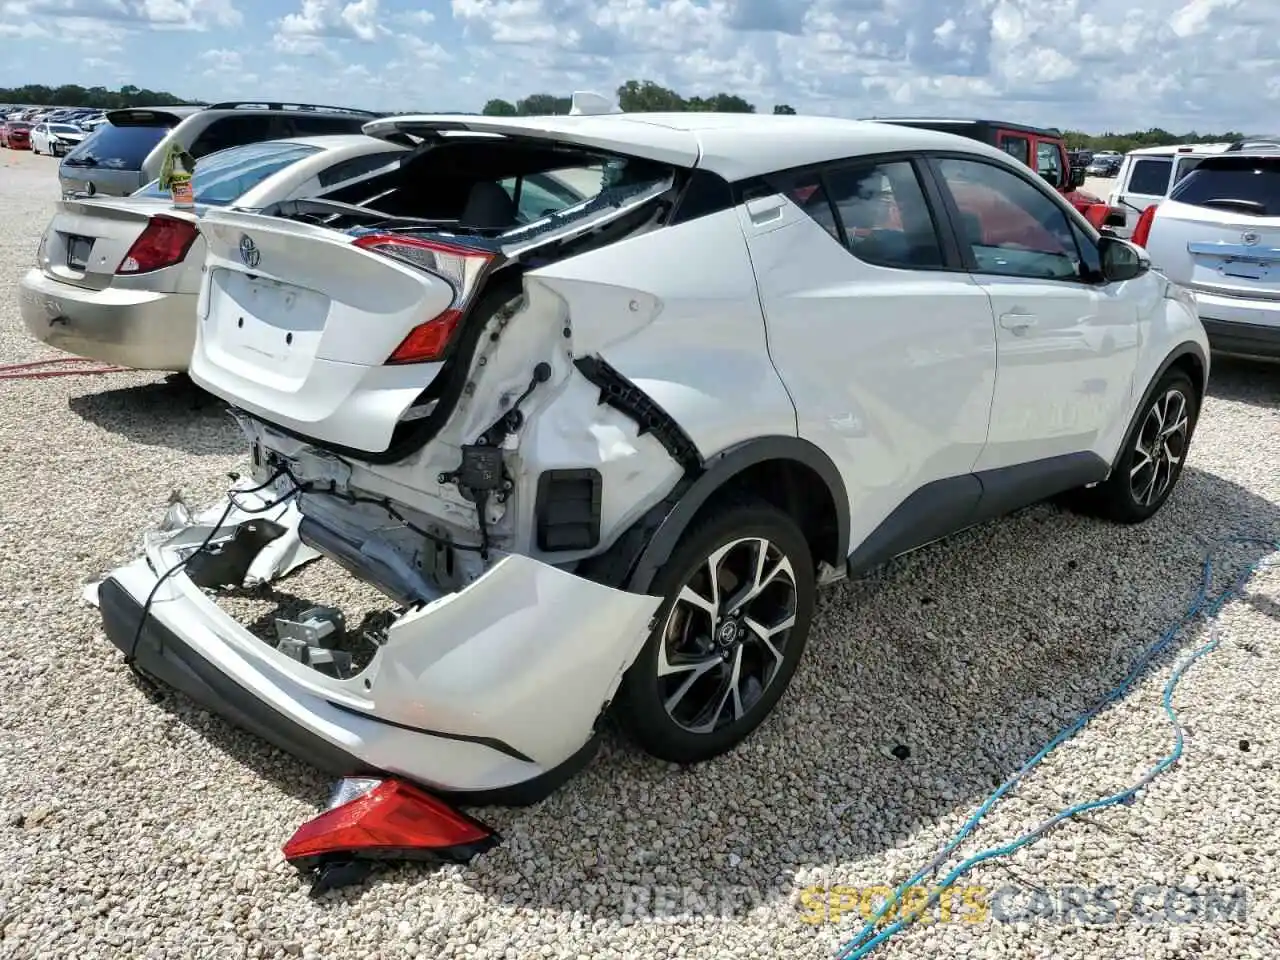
<point>117,278</point>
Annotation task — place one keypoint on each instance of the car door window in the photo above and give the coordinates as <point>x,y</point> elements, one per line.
<point>1010,227</point>
<point>1049,162</point>
<point>1017,147</point>
<point>1149,176</point>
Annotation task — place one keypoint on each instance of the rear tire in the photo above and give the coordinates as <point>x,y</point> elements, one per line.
<point>721,656</point>
<point>1152,458</point>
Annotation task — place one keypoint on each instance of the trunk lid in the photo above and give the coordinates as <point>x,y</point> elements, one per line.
<point>297,325</point>
<point>87,239</point>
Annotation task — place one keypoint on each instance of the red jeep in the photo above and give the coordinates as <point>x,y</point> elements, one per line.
<point>1045,145</point>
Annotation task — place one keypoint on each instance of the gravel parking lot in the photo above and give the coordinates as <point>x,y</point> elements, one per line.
<point>137,829</point>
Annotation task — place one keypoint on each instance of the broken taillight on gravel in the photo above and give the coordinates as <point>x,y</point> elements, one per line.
<point>373,819</point>
<point>461,266</point>
<point>164,242</point>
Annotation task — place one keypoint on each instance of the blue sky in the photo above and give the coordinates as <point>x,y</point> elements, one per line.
<point>1099,64</point>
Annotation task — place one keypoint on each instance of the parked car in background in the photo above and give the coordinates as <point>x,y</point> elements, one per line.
<point>1148,174</point>
<point>130,148</point>
<point>117,277</point>
<point>1040,148</point>
<point>600,455</point>
<point>1218,234</point>
<point>16,135</point>
<point>55,139</point>
<point>1104,166</point>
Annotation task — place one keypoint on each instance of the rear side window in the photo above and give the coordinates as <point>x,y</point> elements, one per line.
<point>119,148</point>
<point>877,211</point>
<point>1248,185</point>
<point>1017,147</point>
<point>224,177</point>
<point>232,132</point>
<point>1149,176</point>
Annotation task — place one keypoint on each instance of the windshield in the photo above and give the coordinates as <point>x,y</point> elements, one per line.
<point>223,177</point>
<point>117,148</point>
<point>1248,185</point>
<point>18,125</point>
<point>63,128</point>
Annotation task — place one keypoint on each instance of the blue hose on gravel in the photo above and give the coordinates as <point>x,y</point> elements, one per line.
<point>1202,605</point>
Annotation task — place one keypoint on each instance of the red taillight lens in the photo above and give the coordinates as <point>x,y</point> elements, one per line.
<point>1142,231</point>
<point>386,818</point>
<point>164,242</point>
<point>461,266</point>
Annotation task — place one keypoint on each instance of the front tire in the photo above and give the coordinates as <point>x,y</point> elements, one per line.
<point>1153,456</point>
<point>740,590</point>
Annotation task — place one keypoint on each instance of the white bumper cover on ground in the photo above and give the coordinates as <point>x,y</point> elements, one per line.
<point>488,688</point>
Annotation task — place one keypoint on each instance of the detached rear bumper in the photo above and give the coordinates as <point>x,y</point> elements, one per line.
<point>488,695</point>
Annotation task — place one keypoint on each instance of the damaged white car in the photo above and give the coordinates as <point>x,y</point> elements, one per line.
<point>598,402</point>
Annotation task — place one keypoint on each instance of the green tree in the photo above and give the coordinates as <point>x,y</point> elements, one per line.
<point>720,103</point>
<point>73,95</point>
<point>543,104</point>
<point>645,96</point>
<point>499,108</point>
<point>784,108</point>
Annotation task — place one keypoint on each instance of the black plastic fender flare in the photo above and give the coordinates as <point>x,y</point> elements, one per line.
<point>721,469</point>
<point>1188,348</point>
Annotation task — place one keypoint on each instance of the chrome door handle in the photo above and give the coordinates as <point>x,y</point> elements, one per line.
<point>1018,321</point>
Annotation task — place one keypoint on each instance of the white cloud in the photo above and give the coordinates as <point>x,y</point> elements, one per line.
<point>334,18</point>
<point>1179,64</point>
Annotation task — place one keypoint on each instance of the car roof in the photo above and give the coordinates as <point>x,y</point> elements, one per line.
<point>737,146</point>
<point>1047,132</point>
<point>1173,149</point>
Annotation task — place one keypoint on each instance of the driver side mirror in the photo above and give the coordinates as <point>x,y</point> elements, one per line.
<point>1077,177</point>
<point>1121,260</point>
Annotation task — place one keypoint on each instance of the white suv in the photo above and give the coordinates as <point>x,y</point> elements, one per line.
<point>600,401</point>
<point>1218,234</point>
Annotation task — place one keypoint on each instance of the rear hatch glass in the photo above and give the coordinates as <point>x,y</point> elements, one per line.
<point>223,177</point>
<point>122,143</point>
<point>1247,185</point>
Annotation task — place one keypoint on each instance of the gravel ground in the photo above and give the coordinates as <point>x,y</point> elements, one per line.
<point>134,829</point>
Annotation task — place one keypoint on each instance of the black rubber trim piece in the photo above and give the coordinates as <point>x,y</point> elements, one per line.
<point>718,472</point>
<point>703,194</point>
<point>1242,339</point>
<point>165,657</point>
<point>489,742</point>
<point>623,395</point>
<point>945,507</point>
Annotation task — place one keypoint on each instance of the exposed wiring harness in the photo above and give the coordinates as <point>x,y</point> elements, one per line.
<point>130,658</point>
<point>1201,606</point>
<point>297,487</point>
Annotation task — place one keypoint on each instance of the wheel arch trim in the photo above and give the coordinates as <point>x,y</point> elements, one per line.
<point>1187,349</point>
<point>719,471</point>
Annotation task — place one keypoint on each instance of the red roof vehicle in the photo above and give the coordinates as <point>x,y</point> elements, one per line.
<point>1040,148</point>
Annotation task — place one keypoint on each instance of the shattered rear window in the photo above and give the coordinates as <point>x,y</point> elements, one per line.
<point>623,182</point>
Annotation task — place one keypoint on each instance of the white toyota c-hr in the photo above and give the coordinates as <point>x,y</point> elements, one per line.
<point>600,401</point>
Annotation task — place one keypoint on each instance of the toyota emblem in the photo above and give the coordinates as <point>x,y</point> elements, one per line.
<point>1249,238</point>
<point>249,254</point>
